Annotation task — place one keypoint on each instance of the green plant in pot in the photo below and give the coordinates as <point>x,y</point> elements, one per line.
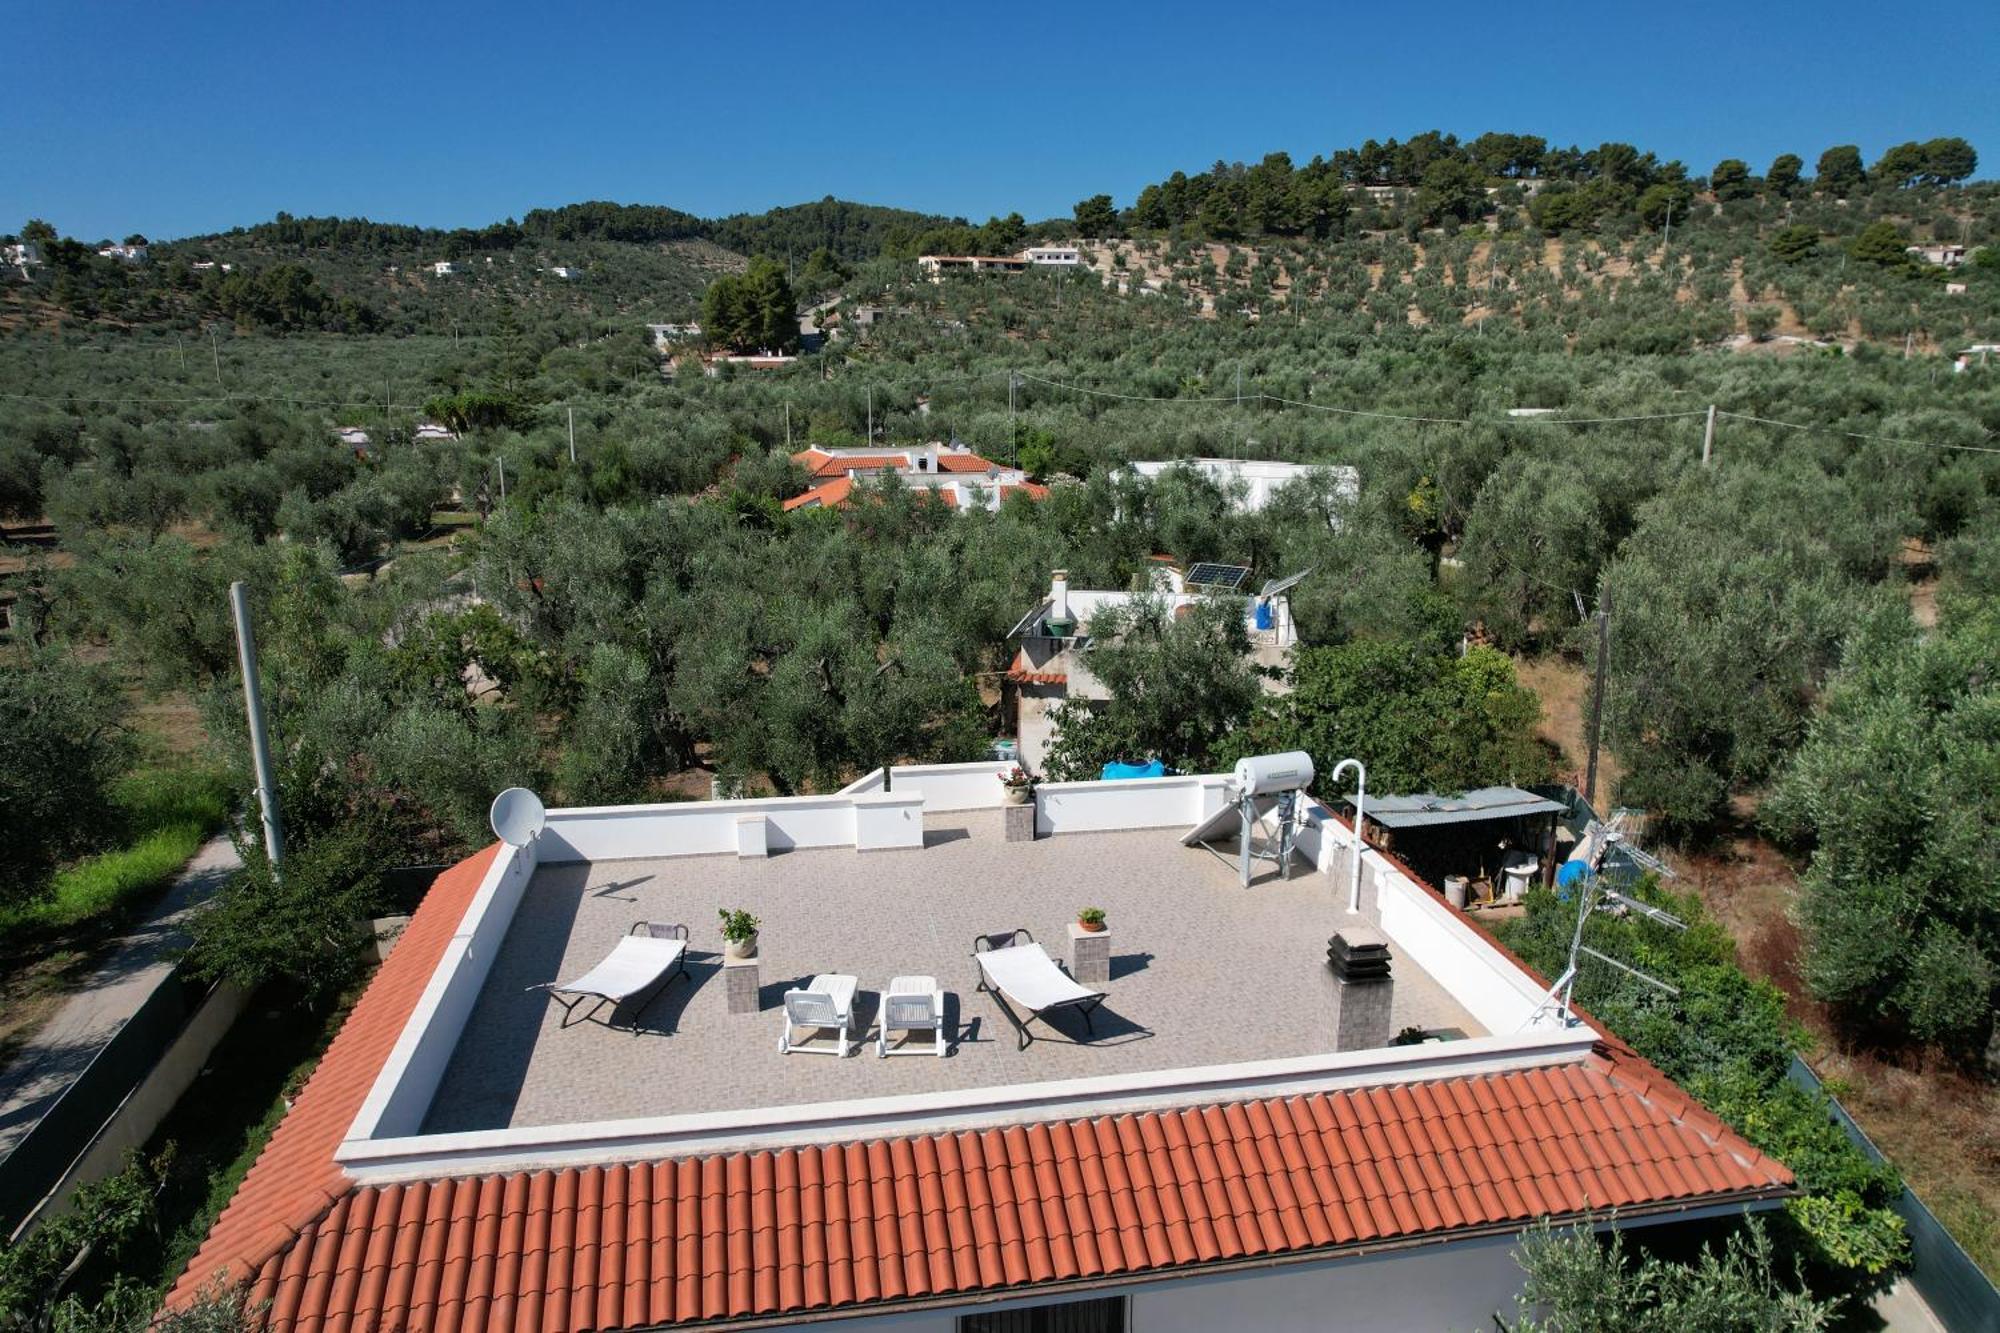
<point>1091,919</point>
<point>739,933</point>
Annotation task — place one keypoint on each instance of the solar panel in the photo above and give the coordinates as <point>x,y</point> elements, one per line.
<point>1220,578</point>
<point>1276,586</point>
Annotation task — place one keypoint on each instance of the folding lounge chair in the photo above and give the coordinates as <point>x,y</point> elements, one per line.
<point>827,1001</point>
<point>911,1004</point>
<point>1012,967</point>
<point>645,962</point>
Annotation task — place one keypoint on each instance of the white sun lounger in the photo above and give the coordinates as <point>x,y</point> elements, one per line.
<point>827,1001</point>
<point>1023,973</point>
<point>645,962</point>
<point>911,1004</point>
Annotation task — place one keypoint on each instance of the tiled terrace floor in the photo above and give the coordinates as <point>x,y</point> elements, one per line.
<point>1203,972</point>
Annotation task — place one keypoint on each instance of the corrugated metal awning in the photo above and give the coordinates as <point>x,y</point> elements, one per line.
<point>1484,803</point>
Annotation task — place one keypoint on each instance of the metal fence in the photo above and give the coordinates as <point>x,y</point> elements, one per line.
<point>1956,1289</point>
<point>73,1121</point>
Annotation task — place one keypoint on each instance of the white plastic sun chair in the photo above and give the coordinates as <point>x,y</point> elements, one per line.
<point>911,1004</point>
<point>827,1001</point>
<point>645,962</point>
<point>1013,968</point>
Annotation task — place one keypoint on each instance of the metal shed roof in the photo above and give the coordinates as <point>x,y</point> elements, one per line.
<point>1484,803</point>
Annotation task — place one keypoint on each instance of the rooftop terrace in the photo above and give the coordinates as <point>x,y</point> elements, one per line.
<point>1216,989</point>
<point>1204,972</point>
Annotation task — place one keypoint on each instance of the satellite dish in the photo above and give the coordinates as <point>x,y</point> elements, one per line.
<point>518,816</point>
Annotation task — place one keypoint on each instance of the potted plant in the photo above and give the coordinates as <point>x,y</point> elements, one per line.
<point>1018,784</point>
<point>739,933</point>
<point>1091,919</point>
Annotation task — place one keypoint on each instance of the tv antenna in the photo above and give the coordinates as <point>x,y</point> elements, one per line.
<point>1594,895</point>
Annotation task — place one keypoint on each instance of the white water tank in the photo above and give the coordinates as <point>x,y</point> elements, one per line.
<point>1269,774</point>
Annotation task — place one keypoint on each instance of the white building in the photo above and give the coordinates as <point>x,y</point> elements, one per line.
<point>130,254</point>
<point>1253,482</point>
<point>1209,1116</point>
<point>22,256</point>
<point>1051,665</point>
<point>951,473</point>
<point>935,267</point>
<point>1943,254</point>
<point>564,271</point>
<point>1060,256</point>
<point>443,268</point>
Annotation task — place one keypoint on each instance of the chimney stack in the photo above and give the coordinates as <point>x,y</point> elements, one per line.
<point>1358,958</point>
<point>1061,624</point>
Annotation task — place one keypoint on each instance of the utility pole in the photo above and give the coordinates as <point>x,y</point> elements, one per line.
<point>260,739</point>
<point>500,467</point>
<point>788,427</point>
<point>572,434</point>
<point>1239,384</point>
<point>871,416</point>
<point>216,348</point>
<point>182,344</point>
<point>1013,383</point>
<point>1667,240</point>
<point>1708,436</point>
<point>1597,693</point>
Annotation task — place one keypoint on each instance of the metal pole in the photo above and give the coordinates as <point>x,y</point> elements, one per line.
<point>216,348</point>
<point>871,416</point>
<point>1708,436</point>
<point>572,434</point>
<point>788,427</point>
<point>1597,693</point>
<point>1360,814</point>
<point>500,466</point>
<point>260,740</point>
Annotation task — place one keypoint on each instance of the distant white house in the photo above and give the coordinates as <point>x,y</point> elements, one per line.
<point>355,438</point>
<point>565,271</point>
<point>1979,354</point>
<point>1252,482</point>
<point>203,265</point>
<point>23,255</point>
<point>1063,256</point>
<point>131,254</point>
<point>935,267</point>
<point>1943,255</point>
<point>667,334</point>
<point>431,431</point>
<point>444,268</point>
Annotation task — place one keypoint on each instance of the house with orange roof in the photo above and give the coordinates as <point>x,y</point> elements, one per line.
<point>957,477</point>
<point>1317,1093</point>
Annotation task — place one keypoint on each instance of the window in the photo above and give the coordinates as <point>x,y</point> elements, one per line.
<point>1107,1315</point>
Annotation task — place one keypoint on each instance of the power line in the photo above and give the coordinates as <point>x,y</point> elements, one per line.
<point>1859,435</point>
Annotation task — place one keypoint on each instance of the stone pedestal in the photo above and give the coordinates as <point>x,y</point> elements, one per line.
<point>741,978</point>
<point>1020,822</point>
<point>1363,993</point>
<point>1089,955</point>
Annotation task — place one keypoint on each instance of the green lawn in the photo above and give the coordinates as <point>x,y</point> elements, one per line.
<point>167,813</point>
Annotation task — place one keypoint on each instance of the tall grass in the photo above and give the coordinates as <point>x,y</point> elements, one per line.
<point>166,813</point>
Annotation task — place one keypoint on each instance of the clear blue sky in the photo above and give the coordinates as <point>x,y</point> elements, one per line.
<point>170,119</point>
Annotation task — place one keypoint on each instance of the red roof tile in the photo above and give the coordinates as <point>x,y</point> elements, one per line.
<point>814,1228</point>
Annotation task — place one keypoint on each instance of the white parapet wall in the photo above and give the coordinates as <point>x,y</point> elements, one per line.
<point>1129,803</point>
<point>409,1078</point>
<point>943,786</point>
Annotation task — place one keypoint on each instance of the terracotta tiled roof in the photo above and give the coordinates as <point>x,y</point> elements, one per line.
<point>829,496</point>
<point>821,464</point>
<point>963,463</point>
<point>1034,490</point>
<point>295,1179</point>
<point>828,1228</point>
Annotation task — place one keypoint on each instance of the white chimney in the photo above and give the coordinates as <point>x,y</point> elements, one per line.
<point>1059,623</point>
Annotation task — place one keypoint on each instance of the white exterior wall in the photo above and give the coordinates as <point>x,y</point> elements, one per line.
<point>396,1106</point>
<point>1452,1288</point>
<point>1132,803</point>
<point>693,828</point>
